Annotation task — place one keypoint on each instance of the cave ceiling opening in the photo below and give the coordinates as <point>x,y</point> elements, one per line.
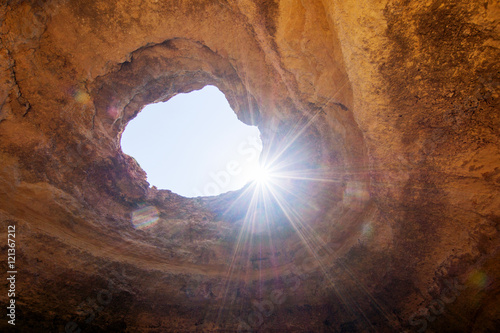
<point>194,145</point>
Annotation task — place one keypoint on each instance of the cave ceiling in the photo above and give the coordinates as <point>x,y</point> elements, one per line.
<point>386,115</point>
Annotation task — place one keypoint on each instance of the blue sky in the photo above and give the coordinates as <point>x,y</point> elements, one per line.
<point>193,144</point>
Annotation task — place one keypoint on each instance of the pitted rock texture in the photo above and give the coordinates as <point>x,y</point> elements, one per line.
<point>392,107</point>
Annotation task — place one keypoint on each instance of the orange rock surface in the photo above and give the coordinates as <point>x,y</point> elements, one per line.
<point>387,113</point>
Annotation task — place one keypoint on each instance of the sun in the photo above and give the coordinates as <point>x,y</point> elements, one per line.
<point>261,175</point>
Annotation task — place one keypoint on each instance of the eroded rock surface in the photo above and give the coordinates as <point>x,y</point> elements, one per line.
<point>390,109</point>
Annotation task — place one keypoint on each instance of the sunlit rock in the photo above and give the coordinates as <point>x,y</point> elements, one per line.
<point>379,121</point>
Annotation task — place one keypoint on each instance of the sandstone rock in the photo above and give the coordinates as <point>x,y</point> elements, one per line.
<point>394,105</point>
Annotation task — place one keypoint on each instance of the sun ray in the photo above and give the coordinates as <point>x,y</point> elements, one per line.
<point>308,236</point>
<point>276,190</point>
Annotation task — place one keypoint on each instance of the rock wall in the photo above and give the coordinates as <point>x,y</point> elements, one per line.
<point>387,110</point>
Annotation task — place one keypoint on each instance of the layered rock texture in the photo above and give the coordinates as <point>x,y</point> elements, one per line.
<point>386,113</point>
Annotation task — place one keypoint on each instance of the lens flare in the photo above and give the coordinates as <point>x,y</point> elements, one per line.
<point>145,217</point>
<point>82,97</point>
<point>479,279</point>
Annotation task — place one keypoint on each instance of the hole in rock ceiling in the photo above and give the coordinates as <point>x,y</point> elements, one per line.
<point>194,145</point>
